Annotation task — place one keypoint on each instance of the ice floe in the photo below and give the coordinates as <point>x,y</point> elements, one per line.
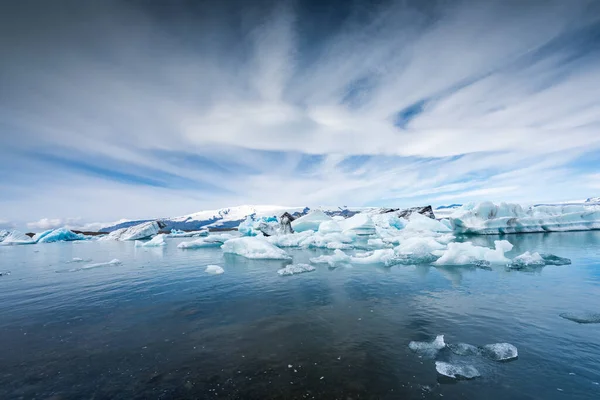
<point>157,241</point>
<point>456,371</point>
<point>464,349</point>
<point>254,248</point>
<point>214,270</point>
<point>532,260</point>
<point>428,349</point>
<point>145,230</point>
<point>500,351</point>
<point>294,269</point>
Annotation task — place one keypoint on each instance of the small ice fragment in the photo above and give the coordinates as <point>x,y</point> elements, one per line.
<point>289,365</point>
<point>527,259</point>
<point>4,273</point>
<point>77,259</point>
<point>429,349</point>
<point>551,259</point>
<point>322,378</point>
<point>571,373</point>
<point>214,270</point>
<point>295,269</point>
<point>104,264</point>
<point>500,351</point>
<point>582,317</point>
<point>456,371</point>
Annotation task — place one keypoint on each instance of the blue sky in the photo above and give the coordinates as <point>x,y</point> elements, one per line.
<point>118,109</point>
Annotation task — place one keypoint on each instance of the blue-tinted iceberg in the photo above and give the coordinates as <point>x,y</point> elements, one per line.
<point>209,241</point>
<point>58,235</point>
<point>175,233</point>
<point>254,248</point>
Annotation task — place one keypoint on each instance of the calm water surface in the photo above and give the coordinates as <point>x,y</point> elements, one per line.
<point>157,326</point>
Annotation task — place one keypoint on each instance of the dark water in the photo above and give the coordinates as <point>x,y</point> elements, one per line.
<point>157,326</point>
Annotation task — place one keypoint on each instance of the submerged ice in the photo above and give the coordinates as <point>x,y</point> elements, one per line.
<point>428,349</point>
<point>456,370</point>
<point>500,351</point>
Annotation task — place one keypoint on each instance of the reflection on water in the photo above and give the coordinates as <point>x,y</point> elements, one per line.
<point>158,326</point>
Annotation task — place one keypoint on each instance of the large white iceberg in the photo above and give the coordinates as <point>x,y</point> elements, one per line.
<point>138,232</point>
<point>418,222</point>
<point>359,224</point>
<point>16,238</point>
<point>254,248</point>
<point>58,235</point>
<point>310,221</point>
<point>489,218</point>
<point>466,253</point>
<point>210,241</point>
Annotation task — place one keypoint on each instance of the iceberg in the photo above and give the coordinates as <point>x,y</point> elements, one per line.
<point>488,218</point>
<point>532,260</point>
<point>254,248</point>
<point>419,248</point>
<point>175,233</point>
<point>418,222</point>
<point>456,371</point>
<point>467,254</point>
<point>428,349</point>
<point>157,241</point>
<point>16,238</point>
<point>500,351</point>
<point>310,221</point>
<point>137,232</point>
<point>214,270</point>
<point>58,235</point>
<point>290,240</point>
<point>359,224</point>
<point>338,257</point>
<point>386,257</point>
<point>329,227</point>
<point>209,241</point>
<point>267,226</point>
<point>295,269</point>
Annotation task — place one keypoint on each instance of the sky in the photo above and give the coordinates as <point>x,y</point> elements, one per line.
<point>144,109</point>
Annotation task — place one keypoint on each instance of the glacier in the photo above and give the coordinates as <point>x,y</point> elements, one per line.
<point>488,218</point>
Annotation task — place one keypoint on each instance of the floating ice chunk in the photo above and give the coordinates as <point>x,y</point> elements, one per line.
<point>377,243</point>
<point>582,317</point>
<point>198,244</point>
<point>339,245</point>
<point>322,241</point>
<point>58,235</point>
<point>419,247</point>
<point>176,233</point>
<point>295,269</point>
<point>386,257</point>
<point>489,218</point>
<point>389,221</point>
<point>527,259</point>
<point>338,257</point>
<point>157,241</point>
<point>137,232</point>
<point>466,253</point>
<point>428,349</point>
<point>104,264</point>
<point>214,270</point>
<point>290,240</point>
<point>310,221</point>
<point>456,371</point>
<point>360,224</point>
<point>551,259</point>
<point>16,238</point>
<point>418,222</point>
<point>252,226</point>
<point>329,227</point>
<point>464,349</point>
<point>254,248</point>
<point>500,351</point>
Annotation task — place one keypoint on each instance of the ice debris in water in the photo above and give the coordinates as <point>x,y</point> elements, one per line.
<point>528,259</point>
<point>464,349</point>
<point>214,270</point>
<point>338,257</point>
<point>254,248</point>
<point>209,241</point>
<point>386,257</point>
<point>456,371</point>
<point>466,253</point>
<point>5,273</point>
<point>582,317</point>
<point>500,351</point>
<point>418,222</point>
<point>295,269</point>
<point>428,349</point>
<point>157,241</point>
<point>97,265</point>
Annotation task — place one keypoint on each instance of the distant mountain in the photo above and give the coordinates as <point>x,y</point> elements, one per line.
<point>448,206</point>
<point>593,200</point>
<point>228,218</point>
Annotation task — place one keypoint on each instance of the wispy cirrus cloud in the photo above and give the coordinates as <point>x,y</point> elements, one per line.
<point>129,109</point>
